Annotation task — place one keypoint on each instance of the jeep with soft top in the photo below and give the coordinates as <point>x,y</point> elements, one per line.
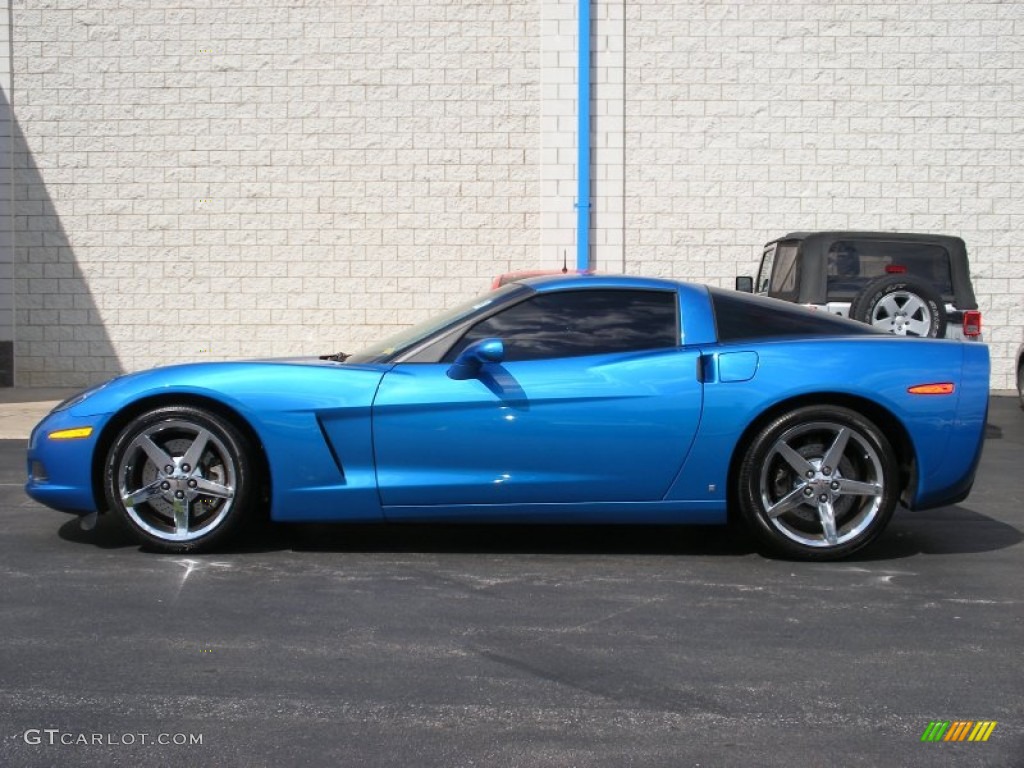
<point>904,283</point>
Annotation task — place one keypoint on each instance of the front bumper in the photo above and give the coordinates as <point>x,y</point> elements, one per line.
<point>60,471</point>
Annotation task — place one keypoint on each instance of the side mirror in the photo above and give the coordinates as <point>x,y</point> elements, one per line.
<point>469,362</point>
<point>745,283</point>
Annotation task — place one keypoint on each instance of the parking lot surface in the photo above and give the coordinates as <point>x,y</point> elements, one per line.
<point>515,646</point>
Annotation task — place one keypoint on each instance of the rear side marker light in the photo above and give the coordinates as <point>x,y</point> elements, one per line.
<point>972,323</point>
<point>77,433</point>
<point>944,388</point>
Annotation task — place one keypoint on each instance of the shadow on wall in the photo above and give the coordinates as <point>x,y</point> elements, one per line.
<point>59,336</point>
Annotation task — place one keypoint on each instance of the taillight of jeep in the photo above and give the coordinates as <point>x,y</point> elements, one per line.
<point>972,323</point>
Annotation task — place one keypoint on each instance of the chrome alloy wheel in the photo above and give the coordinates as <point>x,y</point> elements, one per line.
<point>822,484</point>
<point>903,313</point>
<point>177,480</point>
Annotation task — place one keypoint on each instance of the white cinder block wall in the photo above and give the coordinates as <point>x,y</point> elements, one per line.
<point>6,206</point>
<point>240,178</point>
<point>226,178</point>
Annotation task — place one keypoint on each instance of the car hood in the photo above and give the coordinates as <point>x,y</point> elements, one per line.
<point>287,383</point>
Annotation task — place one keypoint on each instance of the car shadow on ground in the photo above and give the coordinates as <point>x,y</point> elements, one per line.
<point>946,531</point>
<point>453,538</point>
<point>951,530</point>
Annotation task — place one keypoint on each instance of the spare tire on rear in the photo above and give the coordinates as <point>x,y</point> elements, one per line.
<point>901,305</point>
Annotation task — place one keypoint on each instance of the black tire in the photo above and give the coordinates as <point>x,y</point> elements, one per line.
<point>1020,385</point>
<point>787,487</point>
<point>901,305</point>
<point>202,493</point>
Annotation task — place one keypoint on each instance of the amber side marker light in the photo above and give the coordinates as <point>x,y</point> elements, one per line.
<point>76,433</point>
<point>944,388</point>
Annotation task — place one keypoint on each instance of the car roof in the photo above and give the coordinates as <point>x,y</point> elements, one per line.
<point>573,281</point>
<point>833,234</point>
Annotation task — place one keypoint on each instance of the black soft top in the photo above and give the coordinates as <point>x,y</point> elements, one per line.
<point>814,246</point>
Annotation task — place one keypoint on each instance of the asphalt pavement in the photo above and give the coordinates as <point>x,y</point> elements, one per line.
<point>524,646</point>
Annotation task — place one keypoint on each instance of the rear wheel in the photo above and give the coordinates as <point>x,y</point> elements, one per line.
<point>818,483</point>
<point>180,478</point>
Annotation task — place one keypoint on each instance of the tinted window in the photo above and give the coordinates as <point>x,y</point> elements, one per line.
<point>573,323</point>
<point>764,275</point>
<point>739,316</point>
<point>852,264</point>
<point>784,273</point>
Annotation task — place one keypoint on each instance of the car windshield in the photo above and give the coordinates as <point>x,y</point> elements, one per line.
<point>410,337</point>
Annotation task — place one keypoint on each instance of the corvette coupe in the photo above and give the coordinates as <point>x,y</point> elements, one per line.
<point>562,399</point>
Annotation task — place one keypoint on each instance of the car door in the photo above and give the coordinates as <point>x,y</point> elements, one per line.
<point>594,401</point>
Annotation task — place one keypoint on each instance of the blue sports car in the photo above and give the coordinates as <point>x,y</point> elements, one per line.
<point>566,399</point>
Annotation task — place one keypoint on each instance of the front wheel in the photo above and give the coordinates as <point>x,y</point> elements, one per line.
<point>180,478</point>
<point>818,483</point>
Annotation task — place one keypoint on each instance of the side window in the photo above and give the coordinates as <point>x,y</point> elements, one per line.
<point>786,273</point>
<point>574,323</point>
<point>764,275</point>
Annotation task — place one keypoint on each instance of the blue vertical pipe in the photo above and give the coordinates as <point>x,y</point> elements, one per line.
<point>583,140</point>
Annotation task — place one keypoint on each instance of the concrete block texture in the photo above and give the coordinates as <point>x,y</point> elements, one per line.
<point>747,120</point>
<point>236,179</point>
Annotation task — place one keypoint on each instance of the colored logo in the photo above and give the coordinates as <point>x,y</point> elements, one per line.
<point>959,730</point>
